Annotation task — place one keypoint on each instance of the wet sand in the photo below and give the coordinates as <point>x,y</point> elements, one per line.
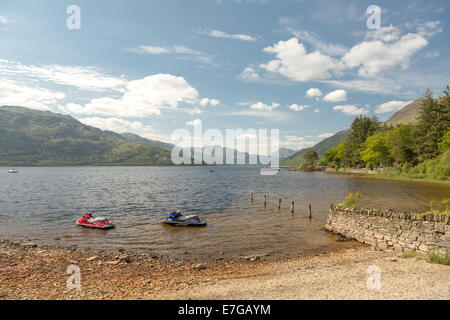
<point>31,272</point>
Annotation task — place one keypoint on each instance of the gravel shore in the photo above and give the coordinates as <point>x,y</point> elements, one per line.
<point>31,272</point>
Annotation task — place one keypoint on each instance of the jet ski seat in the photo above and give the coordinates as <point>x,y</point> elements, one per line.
<point>94,220</point>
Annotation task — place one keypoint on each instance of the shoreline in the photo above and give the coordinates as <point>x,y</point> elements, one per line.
<point>395,178</point>
<point>31,272</point>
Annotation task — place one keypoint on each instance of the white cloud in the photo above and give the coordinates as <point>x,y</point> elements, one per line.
<point>316,110</point>
<point>297,107</point>
<point>296,143</point>
<point>249,74</point>
<point>386,34</point>
<point>221,34</point>
<point>336,96</point>
<point>3,20</point>
<point>194,123</point>
<point>327,48</point>
<point>425,28</point>
<point>84,78</point>
<point>177,49</point>
<point>116,124</point>
<point>144,97</point>
<point>373,85</point>
<point>264,107</point>
<point>14,94</point>
<point>325,135</point>
<point>273,115</point>
<point>391,106</point>
<point>296,64</point>
<point>313,92</point>
<point>372,57</point>
<point>214,102</point>
<point>432,54</point>
<point>205,101</point>
<point>350,109</point>
<point>149,50</point>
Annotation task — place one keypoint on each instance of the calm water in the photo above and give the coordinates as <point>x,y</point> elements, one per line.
<point>42,204</point>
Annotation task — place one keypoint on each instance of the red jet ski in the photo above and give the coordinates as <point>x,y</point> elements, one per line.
<point>88,221</point>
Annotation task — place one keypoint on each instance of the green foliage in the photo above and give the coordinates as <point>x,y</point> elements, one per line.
<point>320,148</point>
<point>444,145</point>
<point>418,151</point>
<point>438,168</point>
<point>362,128</point>
<point>433,123</point>
<point>376,151</point>
<point>410,254</point>
<point>310,157</point>
<point>334,155</point>
<point>436,257</point>
<point>30,137</point>
<point>400,143</point>
<point>351,200</point>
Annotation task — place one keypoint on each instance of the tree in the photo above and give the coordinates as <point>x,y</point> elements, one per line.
<point>310,157</point>
<point>400,143</point>
<point>433,123</point>
<point>362,128</point>
<point>444,145</point>
<point>334,155</point>
<point>376,151</point>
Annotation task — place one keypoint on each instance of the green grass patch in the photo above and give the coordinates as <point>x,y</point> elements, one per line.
<point>437,257</point>
<point>410,255</point>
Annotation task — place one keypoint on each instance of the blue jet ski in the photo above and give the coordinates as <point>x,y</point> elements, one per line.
<point>176,218</point>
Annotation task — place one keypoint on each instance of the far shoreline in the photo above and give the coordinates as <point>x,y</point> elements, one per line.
<point>395,178</point>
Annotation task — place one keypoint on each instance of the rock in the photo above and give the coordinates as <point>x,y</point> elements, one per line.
<point>30,245</point>
<point>115,262</point>
<point>391,259</point>
<point>92,258</point>
<point>199,266</point>
<point>126,258</point>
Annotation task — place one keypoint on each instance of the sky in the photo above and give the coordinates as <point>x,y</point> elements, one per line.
<point>306,68</point>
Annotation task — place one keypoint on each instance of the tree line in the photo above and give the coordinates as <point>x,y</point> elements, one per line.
<point>421,148</point>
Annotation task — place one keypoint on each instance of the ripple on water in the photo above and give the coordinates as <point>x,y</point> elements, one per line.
<point>43,203</point>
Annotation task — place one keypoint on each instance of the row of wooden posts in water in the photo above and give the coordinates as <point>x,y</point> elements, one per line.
<point>279,204</point>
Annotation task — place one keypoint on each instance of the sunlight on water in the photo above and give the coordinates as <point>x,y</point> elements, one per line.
<point>42,204</point>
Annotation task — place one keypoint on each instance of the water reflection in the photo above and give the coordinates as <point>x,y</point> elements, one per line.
<point>43,203</point>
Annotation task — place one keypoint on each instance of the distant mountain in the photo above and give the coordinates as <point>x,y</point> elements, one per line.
<point>408,114</point>
<point>31,137</point>
<point>131,137</point>
<point>320,148</point>
<point>285,152</point>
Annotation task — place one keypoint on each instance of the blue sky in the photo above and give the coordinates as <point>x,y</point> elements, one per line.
<point>150,67</point>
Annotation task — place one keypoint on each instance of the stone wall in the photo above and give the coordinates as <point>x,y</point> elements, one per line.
<point>391,230</point>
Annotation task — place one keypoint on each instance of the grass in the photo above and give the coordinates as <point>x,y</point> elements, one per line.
<point>410,255</point>
<point>433,256</point>
<point>436,257</point>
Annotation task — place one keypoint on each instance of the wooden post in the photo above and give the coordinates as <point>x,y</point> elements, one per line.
<point>279,203</point>
<point>292,207</point>
<point>309,211</point>
<point>265,200</point>
<point>251,196</point>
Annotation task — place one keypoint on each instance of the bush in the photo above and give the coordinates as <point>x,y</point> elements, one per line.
<point>351,200</point>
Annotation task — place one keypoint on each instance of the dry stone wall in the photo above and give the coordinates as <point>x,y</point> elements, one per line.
<point>391,230</point>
